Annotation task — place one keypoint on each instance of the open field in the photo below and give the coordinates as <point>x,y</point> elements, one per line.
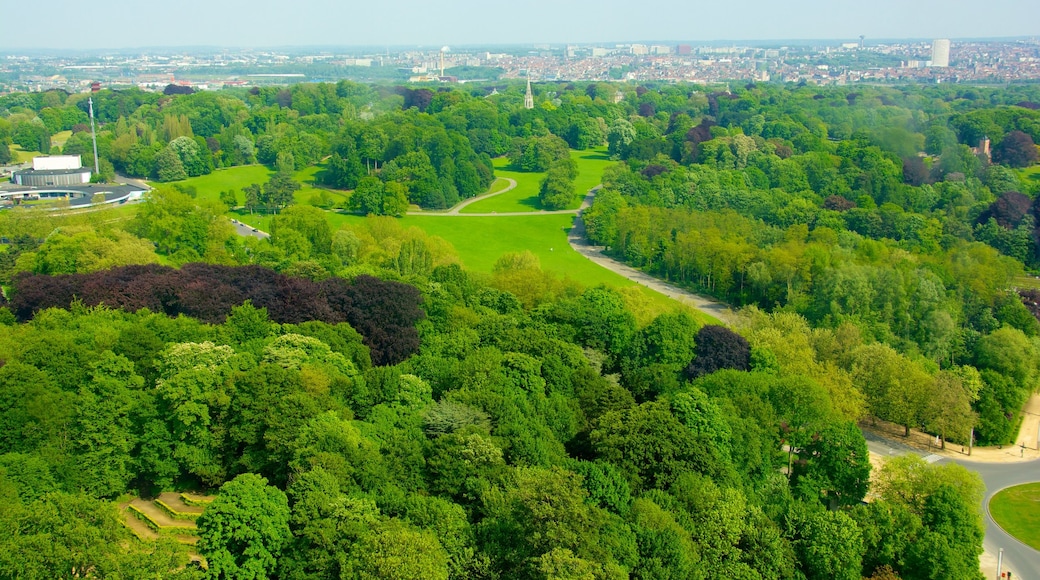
<point>522,198</point>
<point>235,178</point>
<point>1017,510</point>
<point>590,164</point>
<point>479,241</point>
<point>1030,174</point>
<point>19,155</point>
<point>58,139</point>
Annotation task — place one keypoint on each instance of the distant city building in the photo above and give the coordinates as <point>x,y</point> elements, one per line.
<point>941,52</point>
<point>684,49</point>
<point>660,49</point>
<point>53,170</point>
<point>529,96</point>
<point>639,50</point>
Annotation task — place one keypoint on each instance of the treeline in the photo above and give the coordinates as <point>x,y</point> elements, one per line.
<point>519,442</point>
<point>384,312</point>
<point>857,208</point>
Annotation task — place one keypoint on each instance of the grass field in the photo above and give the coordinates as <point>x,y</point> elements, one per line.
<point>19,155</point>
<point>1027,282</point>
<point>58,139</point>
<point>235,178</point>
<point>479,241</point>
<point>524,197</point>
<point>1017,510</point>
<point>590,164</point>
<point>1030,174</point>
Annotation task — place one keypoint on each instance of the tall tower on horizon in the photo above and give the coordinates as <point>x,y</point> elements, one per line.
<point>529,97</point>
<point>941,52</point>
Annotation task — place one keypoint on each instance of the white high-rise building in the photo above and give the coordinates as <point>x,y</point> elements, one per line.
<point>941,52</point>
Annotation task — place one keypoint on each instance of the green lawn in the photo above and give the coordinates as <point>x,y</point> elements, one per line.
<point>590,164</point>
<point>19,155</point>
<point>235,178</point>
<point>479,241</point>
<point>1017,510</point>
<point>522,198</point>
<point>1027,282</point>
<point>1030,174</point>
<point>58,139</point>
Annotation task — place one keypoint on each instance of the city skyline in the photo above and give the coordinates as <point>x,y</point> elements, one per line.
<point>121,24</point>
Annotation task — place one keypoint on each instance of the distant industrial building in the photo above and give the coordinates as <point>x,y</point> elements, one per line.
<point>941,52</point>
<point>49,170</point>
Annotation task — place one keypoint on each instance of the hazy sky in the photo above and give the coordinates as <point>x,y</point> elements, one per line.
<point>264,23</point>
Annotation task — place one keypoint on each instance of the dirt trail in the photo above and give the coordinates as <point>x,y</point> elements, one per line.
<point>139,528</point>
<point>173,499</point>
<point>158,516</point>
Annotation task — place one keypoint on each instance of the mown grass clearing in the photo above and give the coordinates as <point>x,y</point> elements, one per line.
<point>19,155</point>
<point>1017,510</point>
<point>236,178</point>
<point>1027,282</point>
<point>591,164</point>
<point>58,139</point>
<point>481,241</point>
<point>524,197</point>
<point>1030,174</point>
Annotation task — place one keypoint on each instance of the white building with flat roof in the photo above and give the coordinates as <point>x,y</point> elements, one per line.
<point>52,170</point>
<point>54,162</point>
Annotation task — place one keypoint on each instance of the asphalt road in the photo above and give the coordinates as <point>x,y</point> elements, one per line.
<point>246,230</point>
<point>1022,560</point>
<point>1018,557</point>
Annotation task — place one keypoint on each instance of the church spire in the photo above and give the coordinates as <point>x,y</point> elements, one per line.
<point>529,97</point>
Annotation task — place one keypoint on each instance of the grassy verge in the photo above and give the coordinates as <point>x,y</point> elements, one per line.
<point>1017,510</point>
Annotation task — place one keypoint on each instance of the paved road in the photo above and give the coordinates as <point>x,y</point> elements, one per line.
<point>247,230</point>
<point>1022,560</point>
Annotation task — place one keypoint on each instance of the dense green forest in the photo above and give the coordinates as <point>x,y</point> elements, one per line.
<point>367,408</point>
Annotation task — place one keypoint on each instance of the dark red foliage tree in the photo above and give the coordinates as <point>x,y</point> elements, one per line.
<point>718,348</point>
<point>915,172</point>
<point>383,312</point>
<point>1031,299</point>
<point>838,203</point>
<point>1008,210</point>
<point>1017,150</point>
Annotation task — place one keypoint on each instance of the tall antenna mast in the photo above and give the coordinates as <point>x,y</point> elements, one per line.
<point>93,134</point>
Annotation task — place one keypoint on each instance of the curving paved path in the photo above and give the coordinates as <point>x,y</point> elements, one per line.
<point>455,211</point>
